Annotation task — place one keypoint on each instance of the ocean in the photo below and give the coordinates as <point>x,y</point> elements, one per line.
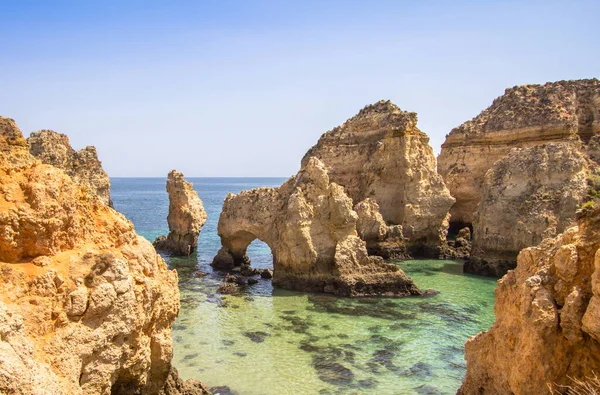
<point>273,341</point>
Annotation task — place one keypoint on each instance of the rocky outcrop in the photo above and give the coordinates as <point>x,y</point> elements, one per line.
<point>82,166</point>
<point>382,240</point>
<point>310,226</point>
<point>186,217</point>
<point>547,329</point>
<point>86,305</point>
<point>524,116</point>
<point>381,154</point>
<point>529,195</point>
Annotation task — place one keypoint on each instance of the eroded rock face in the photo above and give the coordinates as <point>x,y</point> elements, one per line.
<point>186,217</point>
<point>381,154</point>
<point>547,327</point>
<point>529,195</point>
<point>524,116</point>
<point>310,226</point>
<point>86,305</point>
<point>382,240</point>
<point>83,166</point>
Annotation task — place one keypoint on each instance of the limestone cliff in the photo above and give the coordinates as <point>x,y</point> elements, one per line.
<point>86,305</point>
<point>310,226</point>
<point>529,195</point>
<point>82,166</point>
<point>547,329</point>
<point>524,116</point>
<point>381,154</point>
<point>186,217</point>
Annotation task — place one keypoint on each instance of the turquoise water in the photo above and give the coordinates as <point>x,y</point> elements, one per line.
<point>271,341</point>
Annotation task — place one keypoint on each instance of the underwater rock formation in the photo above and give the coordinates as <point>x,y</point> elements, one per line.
<point>86,305</point>
<point>547,329</point>
<point>186,217</point>
<point>382,240</point>
<point>529,195</point>
<point>524,116</point>
<point>310,226</point>
<point>82,166</point>
<point>381,154</point>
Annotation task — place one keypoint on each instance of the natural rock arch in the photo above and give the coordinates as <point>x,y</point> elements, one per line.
<point>310,226</point>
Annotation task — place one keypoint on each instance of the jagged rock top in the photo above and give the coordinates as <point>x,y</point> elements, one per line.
<point>381,154</point>
<point>83,166</point>
<point>371,123</point>
<point>86,305</point>
<point>561,103</point>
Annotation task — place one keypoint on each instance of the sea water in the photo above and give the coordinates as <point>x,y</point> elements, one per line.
<point>273,341</point>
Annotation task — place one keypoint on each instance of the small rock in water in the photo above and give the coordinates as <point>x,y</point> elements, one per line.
<point>252,281</point>
<point>227,289</point>
<point>222,390</point>
<point>266,273</point>
<point>427,389</point>
<point>199,273</point>
<point>240,354</point>
<point>227,342</point>
<point>257,337</point>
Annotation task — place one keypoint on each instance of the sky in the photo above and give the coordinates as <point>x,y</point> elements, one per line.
<point>245,88</point>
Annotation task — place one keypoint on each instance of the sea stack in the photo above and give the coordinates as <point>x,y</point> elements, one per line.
<point>547,330</point>
<point>186,217</point>
<point>524,116</point>
<point>82,166</point>
<point>87,304</point>
<point>310,226</point>
<point>380,154</point>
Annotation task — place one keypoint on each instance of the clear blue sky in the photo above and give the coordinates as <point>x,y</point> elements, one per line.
<point>244,88</point>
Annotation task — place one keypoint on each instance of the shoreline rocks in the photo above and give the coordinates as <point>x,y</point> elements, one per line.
<point>186,217</point>
<point>310,226</point>
<point>86,304</point>
<point>547,329</point>
<point>381,154</point>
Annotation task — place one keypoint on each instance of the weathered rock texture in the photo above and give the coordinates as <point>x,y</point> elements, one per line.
<point>86,305</point>
<point>83,166</point>
<point>524,116</point>
<point>547,327</point>
<point>529,195</point>
<point>186,217</point>
<point>310,226</point>
<point>382,240</point>
<point>381,154</point>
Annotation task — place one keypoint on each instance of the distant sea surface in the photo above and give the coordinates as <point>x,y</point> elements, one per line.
<point>272,341</point>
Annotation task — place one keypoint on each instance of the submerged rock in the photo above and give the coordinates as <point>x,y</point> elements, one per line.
<point>524,116</point>
<point>529,195</point>
<point>547,329</point>
<point>82,166</point>
<point>186,217</point>
<point>381,154</point>
<point>96,316</point>
<point>310,226</point>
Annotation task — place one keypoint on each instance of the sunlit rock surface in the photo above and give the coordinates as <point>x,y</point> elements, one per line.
<point>381,154</point>
<point>310,226</point>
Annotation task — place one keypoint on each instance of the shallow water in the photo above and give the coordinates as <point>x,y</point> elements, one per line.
<point>271,341</point>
